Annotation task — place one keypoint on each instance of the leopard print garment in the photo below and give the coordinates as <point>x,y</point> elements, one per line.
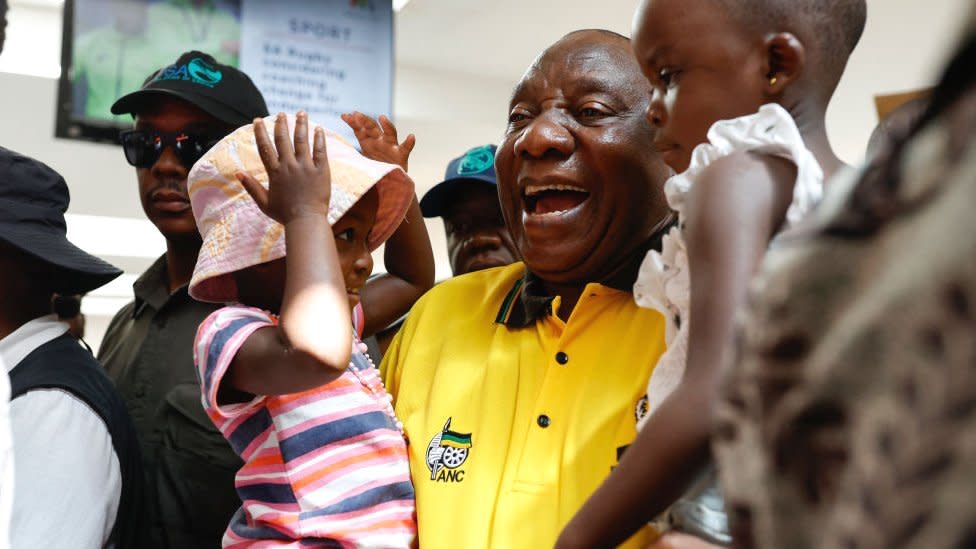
<point>850,418</point>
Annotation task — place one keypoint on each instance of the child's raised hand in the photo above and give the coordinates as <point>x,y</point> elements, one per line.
<point>379,141</point>
<point>299,182</point>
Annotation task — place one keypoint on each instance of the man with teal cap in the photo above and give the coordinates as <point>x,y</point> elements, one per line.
<point>467,201</point>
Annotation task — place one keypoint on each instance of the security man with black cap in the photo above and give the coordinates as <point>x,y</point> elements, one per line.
<point>78,477</point>
<point>180,112</point>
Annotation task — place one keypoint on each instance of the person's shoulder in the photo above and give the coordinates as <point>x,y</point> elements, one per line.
<point>117,326</point>
<point>747,166</point>
<point>463,303</point>
<point>472,290</point>
<point>125,313</point>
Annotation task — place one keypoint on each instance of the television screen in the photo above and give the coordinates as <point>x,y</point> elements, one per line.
<point>324,56</point>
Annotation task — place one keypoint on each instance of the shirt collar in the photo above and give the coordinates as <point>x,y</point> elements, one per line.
<point>528,301</point>
<point>24,340</point>
<point>152,288</point>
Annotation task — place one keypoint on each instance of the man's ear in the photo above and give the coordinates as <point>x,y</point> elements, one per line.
<point>785,60</point>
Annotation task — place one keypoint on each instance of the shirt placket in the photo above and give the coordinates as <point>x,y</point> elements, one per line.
<point>551,418</point>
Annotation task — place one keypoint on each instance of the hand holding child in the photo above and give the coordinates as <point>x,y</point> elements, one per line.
<point>299,183</point>
<point>379,141</point>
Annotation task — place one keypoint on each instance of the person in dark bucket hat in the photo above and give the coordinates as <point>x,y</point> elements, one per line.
<point>33,199</point>
<point>74,443</point>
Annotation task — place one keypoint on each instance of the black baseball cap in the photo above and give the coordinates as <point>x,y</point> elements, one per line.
<point>220,90</point>
<point>476,166</point>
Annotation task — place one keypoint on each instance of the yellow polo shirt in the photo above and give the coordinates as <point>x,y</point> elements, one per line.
<point>513,423</point>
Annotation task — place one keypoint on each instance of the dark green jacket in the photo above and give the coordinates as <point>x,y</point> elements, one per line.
<point>189,466</point>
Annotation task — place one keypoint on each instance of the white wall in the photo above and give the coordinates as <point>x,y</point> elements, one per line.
<point>449,111</point>
<point>903,48</point>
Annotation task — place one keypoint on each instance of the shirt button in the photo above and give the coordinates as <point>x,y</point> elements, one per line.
<point>543,421</point>
<point>562,357</point>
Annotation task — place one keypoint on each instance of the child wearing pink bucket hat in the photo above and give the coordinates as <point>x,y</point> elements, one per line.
<point>288,226</point>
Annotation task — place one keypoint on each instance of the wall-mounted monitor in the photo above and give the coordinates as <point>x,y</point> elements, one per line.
<point>323,56</point>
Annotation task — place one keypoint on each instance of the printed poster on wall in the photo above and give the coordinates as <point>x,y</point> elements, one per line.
<point>327,57</point>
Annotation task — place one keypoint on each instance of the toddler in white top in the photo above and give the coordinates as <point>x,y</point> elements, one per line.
<point>741,89</point>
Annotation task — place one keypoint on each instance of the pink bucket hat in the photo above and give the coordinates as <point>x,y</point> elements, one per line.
<point>237,235</point>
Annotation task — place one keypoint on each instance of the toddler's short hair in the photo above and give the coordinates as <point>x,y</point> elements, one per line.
<point>832,27</point>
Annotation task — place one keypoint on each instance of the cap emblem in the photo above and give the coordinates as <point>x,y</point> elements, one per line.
<point>197,70</point>
<point>476,160</point>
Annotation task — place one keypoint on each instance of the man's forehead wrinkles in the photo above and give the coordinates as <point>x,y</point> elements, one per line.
<point>601,79</point>
<point>533,82</point>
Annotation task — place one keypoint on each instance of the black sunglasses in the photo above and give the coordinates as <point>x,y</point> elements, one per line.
<point>143,149</point>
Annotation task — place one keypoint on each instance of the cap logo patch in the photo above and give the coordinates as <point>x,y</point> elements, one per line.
<point>476,160</point>
<point>196,70</point>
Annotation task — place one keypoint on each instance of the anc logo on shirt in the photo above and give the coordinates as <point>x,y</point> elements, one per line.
<point>446,453</point>
<point>476,161</point>
<point>641,409</point>
<point>197,71</point>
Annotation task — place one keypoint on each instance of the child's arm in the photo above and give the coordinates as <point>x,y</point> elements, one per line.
<point>407,256</point>
<point>312,342</point>
<point>735,208</point>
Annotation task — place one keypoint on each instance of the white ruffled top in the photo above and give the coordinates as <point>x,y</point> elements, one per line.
<point>663,282</point>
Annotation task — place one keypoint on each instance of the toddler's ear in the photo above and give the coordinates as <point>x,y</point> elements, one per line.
<point>785,60</point>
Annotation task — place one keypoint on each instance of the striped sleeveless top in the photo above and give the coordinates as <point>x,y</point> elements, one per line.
<point>324,467</point>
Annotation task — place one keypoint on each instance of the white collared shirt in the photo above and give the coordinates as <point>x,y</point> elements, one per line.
<point>67,478</point>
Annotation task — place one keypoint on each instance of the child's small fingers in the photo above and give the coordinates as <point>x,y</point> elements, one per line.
<point>320,153</point>
<point>255,189</point>
<point>355,121</point>
<point>367,122</point>
<point>408,144</point>
<point>389,130</point>
<point>301,136</point>
<point>282,140</point>
<point>265,149</point>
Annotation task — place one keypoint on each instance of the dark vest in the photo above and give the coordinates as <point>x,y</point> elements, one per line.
<point>63,364</point>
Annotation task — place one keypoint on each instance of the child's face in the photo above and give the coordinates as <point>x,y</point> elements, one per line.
<point>351,233</point>
<point>704,68</point>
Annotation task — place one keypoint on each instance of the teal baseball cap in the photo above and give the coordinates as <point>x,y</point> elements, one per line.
<point>475,167</point>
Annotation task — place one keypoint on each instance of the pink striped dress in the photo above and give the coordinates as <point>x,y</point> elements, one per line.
<point>325,467</point>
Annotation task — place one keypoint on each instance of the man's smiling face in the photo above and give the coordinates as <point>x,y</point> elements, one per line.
<point>579,182</point>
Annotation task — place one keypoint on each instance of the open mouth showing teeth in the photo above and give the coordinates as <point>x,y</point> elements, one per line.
<point>553,199</point>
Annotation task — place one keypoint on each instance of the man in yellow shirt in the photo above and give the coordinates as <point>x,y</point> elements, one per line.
<point>520,387</point>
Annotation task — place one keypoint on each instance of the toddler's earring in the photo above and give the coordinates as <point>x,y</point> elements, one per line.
<point>772,81</point>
